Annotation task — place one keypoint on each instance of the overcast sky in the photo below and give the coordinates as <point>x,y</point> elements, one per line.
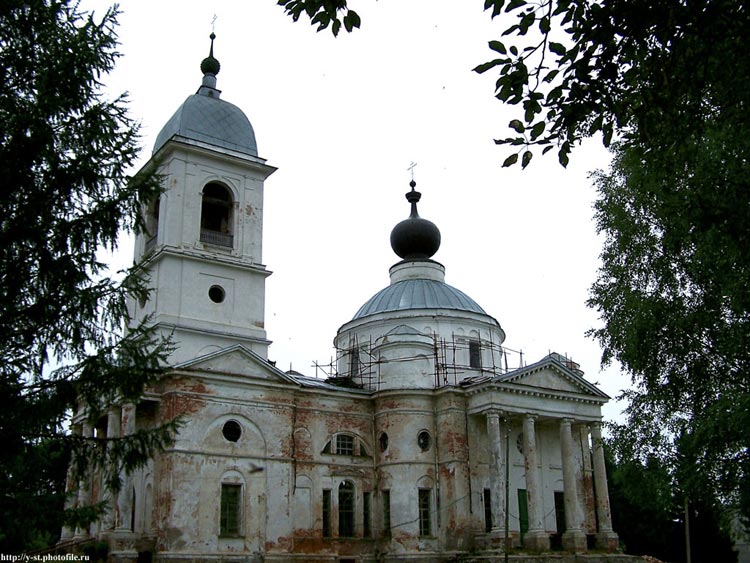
<point>342,119</point>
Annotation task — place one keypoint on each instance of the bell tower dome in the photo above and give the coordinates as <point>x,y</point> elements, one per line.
<point>202,248</point>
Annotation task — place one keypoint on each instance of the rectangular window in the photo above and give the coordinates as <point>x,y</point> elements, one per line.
<point>326,513</point>
<point>231,503</point>
<point>425,512</point>
<point>344,444</point>
<point>386,514</point>
<point>366,530</point>
<point>560,511</point>
<point>475,354</point>
<point>346,510</point>
<point>523,512</point>
<point>353,362</point>
<point>487,510</point>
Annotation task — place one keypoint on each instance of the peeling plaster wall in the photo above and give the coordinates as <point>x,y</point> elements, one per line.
<point>286,456</point>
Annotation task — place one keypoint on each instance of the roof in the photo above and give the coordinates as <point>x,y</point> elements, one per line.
<point>418,294</point>
<point>211,120</point>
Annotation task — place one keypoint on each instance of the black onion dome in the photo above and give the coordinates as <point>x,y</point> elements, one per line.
<point>210,65</point>
<point>415,238</point>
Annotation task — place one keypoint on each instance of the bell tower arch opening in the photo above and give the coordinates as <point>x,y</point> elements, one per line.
<point>217,226</point>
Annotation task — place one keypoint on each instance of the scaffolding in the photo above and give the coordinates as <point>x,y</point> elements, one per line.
<point>454,360</point>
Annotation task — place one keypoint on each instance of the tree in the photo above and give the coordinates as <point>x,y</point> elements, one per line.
<point>672,293</point>
<point>648,505</point>
<point>576,68</point>
<point>65,152</point>
<point>667,85</point>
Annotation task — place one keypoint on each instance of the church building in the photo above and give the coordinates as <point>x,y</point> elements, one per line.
<point>422,445</point>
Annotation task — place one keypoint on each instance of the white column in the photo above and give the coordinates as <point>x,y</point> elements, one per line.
<point>586,482</point>
<point>84,483</point>
<point>606,538</point>
<point>497,471</point>
<point>574,539</point>
<point>113,431</point>
<point>536,538</point>
<point>125,496</point>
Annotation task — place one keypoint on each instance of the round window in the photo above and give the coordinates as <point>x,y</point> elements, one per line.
<point>424,440</point>
<point>232,430</point>
<point>383,441</point>
<point>216,293</point>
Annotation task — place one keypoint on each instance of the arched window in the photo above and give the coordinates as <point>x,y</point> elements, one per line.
<point>346,444</point>
<point>216,215</point>
<point>425,489</point>
<point>346,510</point>
<point>152,223</point>
<point>475,354</point>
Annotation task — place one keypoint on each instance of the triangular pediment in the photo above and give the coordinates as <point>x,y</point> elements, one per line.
<point>553,376</point>
<point>549,379</point>
<point>237,361</point>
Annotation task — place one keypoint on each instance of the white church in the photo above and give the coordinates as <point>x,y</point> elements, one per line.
<point>421,446</point>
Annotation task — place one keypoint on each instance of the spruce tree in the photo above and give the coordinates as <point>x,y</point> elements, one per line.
<point>66,152</point>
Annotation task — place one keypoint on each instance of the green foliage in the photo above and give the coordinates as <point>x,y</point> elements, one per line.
<point>673,296</point>
<point>648,505</point>
<point>64,155</point>
<point>641,495</point>
<point>614,68</point>
<point>623,70</point>
<point>323,13</point>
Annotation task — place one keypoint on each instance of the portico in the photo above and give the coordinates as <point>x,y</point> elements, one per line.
<point>544,445</point>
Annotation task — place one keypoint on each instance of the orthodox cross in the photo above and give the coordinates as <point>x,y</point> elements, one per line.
<point>410,168</point>
<point>213,23</point>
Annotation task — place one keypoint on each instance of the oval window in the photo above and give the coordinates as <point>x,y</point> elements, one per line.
<point>232,430</point>
<point>424,440</point>
<point>217,294</point>
<point>383,441</point>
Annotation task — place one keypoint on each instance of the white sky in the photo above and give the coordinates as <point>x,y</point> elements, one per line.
<point>342,119</point>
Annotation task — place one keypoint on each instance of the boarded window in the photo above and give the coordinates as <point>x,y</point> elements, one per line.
<point>425,512</point>
<point>487,510</point>
<point>386,513</point>
<point>366,529</point>
<point>523,512</point>
<point>346,510</point>
<point>560,511</point>
<point>326,513</point>
<point>229,522</point>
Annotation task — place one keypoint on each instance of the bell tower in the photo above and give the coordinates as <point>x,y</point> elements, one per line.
<point>202,248</point>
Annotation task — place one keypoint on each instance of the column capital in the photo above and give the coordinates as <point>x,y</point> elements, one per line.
<point>529,416</point>
<point>494,413</point>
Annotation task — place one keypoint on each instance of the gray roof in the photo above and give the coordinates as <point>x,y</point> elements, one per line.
<point>210,120</point>
<point>418,294</point>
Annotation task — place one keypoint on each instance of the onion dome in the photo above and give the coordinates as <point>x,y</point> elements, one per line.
<point>210,65</point>
<point>206,118</point>
<point>415,238</point>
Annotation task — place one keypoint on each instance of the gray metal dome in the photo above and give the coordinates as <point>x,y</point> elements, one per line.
<point>418,294</point>
<point>206,118</point>
<point>210,120</point>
